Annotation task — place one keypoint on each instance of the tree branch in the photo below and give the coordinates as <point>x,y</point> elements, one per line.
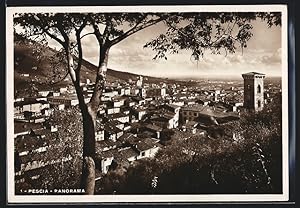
<point>97,33</point>
<point>43,27</point>
<point>79,46</point>
<point>136,29</point>
<point>91,33</point>
<point>54,37</point>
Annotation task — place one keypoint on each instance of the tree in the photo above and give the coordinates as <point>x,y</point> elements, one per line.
<point>198,32</point>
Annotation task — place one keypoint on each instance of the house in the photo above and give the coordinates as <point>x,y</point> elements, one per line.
<point>121,91</point>
<point>44,93</point>
<point>24,75</point>
<point>171,107</point>
<point>101,110</point>
<point>117,102</point>
<point>50,127</point>
<point>112,110</point>
<point>105,98</point>
<point>33,162</point>
<point>190,102</point>
<point>127,91</point>
<point>142,92</point>
<point>128,139</point>
<point>31,105</point>
<point>172,115</point>
<point>177,102</point>
<point>153,128</point>
<point>139,100</point>
<point>115,123</point>
<point>130,149</point>
<point>68,101</point>
<point>125,110</point>
<point>165,120</point>
<point>129,102</point>
<point>21,128</point>
<point>105,145</point>
<point>99,131</point>
<point>87,99</point>
<point>156,92</point>
<point>63,89</point>
<point>112,132</point>
<point>127,126</point>
<point>147,147</point>
<point>114,158</point>
<point>180,96</point>
<point>126,153</point>
<point>109,92</point>
<point>139,112</point>
<point>33,142</point>
<point>134,91</point>
<point>53,94</point>
<point>144,146</point>
<point>191,113</point>
<point>104,160</point>
<point>48,132</point>
<point>123,118</point>
<point>190,126</point>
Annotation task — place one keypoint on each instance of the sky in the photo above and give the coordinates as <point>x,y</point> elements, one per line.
<point>263,54</point>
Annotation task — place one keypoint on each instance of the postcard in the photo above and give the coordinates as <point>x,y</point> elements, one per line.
<point>151,104</point>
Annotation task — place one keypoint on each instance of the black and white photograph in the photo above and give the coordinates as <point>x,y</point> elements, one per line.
<point>147,104</point>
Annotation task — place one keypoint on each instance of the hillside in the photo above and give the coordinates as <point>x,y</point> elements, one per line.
<point>43,69</point>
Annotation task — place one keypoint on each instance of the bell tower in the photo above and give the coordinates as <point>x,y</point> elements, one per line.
<point>254,90</point>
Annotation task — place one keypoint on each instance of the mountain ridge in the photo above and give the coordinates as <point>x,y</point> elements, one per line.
<point>37,67</point>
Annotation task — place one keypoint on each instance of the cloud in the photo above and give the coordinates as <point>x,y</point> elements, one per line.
<point>262,54</point>
<point>272,58</point>
<point>236,59</point>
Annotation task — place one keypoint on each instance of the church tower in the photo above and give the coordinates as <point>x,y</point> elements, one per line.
<point>254,91</point>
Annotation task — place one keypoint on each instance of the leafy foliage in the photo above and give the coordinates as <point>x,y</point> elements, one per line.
<point>214,32</point>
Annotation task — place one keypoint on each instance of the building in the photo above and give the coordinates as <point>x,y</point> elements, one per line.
<point>117,102</point>
<point>30,105</point>
<point>121,117</point>
<point>68,101</point>
<point>139,82</point>
<point>104,161</point>
<point>99,131</point>
<point>139,112</point>
<point>112,110</point>
<point>253,90</point>
<point>154,129</point>
<point>148,147</point>
<point>156,92</point>
<point>112,132</point>
<point>192,113</point>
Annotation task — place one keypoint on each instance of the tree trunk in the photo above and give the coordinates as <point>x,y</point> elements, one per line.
<point>88,175</point>
<point>88,165</point>
<point>89,115</point>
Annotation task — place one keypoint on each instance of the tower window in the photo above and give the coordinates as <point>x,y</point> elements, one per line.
<point>258,89</point>
<point>259,104</point>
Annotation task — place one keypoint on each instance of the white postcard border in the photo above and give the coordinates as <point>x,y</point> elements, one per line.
<point>12,198</point>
